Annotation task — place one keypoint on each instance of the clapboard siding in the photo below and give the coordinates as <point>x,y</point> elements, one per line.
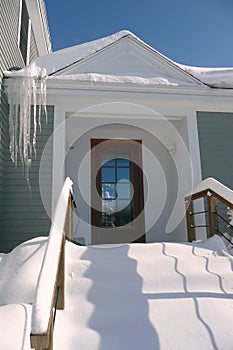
<point>10,55</point>
<point>3,151</point>
<point>24,216</point>
<point>20,210</point>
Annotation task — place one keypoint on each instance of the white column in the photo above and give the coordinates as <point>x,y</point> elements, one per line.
<point>59,141</point>
<point>194,150</point>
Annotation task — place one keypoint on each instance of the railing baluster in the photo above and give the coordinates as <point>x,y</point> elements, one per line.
<point>213,220</point>
<point>190,221</point>
<point>214,191</point>
<point>61,278</point>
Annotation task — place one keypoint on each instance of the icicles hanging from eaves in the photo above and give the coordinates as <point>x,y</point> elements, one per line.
<point>26,89</point>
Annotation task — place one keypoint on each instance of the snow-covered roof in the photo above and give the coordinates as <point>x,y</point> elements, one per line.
<point>57,62</point>
<point>214,77</point>
<point>64,58</point>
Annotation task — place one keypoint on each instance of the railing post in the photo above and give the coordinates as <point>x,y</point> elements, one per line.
<point>61,278</point>
<point>190,221</point>
<point>213,220</point>
<point>50,347</point>
<point>69,218</point>
<point>71,206</point>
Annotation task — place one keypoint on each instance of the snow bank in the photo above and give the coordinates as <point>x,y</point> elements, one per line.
<point>133,296</point>
<point>19,272</point>
<point>147,296</point>
<point>15,322</point>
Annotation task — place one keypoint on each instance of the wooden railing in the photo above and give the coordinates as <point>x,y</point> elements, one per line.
<point>214,192</point>
<point>50,293</point>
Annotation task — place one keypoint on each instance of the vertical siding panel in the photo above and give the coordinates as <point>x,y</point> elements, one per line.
<point>216,145</point>
<point>3,151</point>
<point>10,55</point>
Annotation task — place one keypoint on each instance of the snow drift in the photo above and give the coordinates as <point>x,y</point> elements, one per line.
<point>129,296</point>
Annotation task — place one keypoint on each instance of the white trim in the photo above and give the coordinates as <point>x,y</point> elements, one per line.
<point>40,29</point>
<point>59,149</point>
<point>65,86</point>
<point>28,41</point>
<point>194,147</point>
<point>19,24</point>
<point>29,33</point>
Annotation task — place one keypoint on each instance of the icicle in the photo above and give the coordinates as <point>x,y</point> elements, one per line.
<point>25,88</point>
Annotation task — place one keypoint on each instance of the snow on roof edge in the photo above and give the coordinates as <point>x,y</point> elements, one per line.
<point>84,50</point>
<point>58,60</point>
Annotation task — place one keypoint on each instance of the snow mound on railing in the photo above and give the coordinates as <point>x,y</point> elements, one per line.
<point>47,276</point>
<point>211,183</point>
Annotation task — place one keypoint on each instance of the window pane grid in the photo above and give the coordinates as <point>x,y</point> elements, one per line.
<point>116,192</point>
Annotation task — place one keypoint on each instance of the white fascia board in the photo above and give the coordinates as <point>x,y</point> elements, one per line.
<point>40,26</point>
<point>67,85</point>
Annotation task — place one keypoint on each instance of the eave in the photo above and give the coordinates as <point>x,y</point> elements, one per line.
<point>66,86</point>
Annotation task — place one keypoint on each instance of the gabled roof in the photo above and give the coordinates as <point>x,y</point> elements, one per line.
<point>119,58</point>
<point>64,58</point>
<point>105,60</point>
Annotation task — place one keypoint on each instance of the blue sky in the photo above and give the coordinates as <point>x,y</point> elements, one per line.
<point>192,32</point>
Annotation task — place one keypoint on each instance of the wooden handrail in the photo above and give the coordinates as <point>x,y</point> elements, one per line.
<point>213,190</point>
<point>52,275</point>
<point>213,187</point>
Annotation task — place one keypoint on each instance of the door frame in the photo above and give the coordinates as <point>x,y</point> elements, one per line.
<point>121,234</point>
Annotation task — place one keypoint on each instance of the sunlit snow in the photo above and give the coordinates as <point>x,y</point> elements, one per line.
<point>128,296</point>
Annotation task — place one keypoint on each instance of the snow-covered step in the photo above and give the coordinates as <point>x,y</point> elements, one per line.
<point>130,296</point>
<point>147,296</point>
